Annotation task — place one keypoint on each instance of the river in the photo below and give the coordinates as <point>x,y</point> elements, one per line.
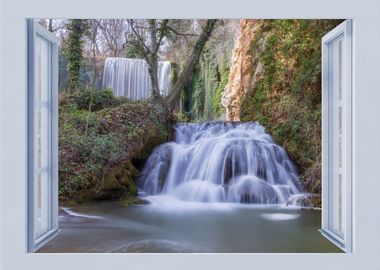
<point>169,225</point>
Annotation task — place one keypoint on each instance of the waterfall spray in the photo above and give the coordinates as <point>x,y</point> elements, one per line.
<point>221,162</point>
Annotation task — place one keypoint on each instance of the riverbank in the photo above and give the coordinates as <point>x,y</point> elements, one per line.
<point>101,149</point>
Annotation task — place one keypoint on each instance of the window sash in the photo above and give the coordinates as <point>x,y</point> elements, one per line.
<point>336,136</point>
<point>42,136</point>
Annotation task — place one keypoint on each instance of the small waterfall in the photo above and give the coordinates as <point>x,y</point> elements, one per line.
<point>130,77</point>
<point>221,162</point>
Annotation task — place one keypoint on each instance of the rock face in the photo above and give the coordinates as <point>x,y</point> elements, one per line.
<point>275,79</point>
<point>244,65</point>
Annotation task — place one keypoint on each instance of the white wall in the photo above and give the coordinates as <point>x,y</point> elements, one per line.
<point>366,136</point>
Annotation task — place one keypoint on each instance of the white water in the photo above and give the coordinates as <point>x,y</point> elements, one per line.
<point>76,214</point>
<point>130,77</point>
<point>221,162</point>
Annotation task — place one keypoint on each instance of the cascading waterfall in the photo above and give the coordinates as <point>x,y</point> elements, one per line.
<point>221,162</point>
<point>130,77</point>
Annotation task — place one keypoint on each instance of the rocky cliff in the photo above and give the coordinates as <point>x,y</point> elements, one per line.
<point>275,79</point>
<point>244,61</point>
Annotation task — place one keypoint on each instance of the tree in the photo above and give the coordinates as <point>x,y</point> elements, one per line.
<point>94,26</point>
<point>150,34</point>
<point>50,25</point>
<point>112,36</point>
<point>93,33</point>
<point>74,51</point>
<point>185,75</point>
<point>149,38</point>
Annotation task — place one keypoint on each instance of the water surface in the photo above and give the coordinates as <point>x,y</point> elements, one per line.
<point>169,225</point>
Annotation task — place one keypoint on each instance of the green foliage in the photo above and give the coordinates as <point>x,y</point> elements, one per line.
<point>204,93</point>
<point>224,72</point>
<point>132,189</point>
<point>287,98</point>
<point>133,50</point>
<point>202,97</point>
<point>197,95</point>
<point>132,200</point>
<point>211,79</point>
<point>97,165</point>
<point>100,100</point>
<point>174,72</point>
<point>74,52</point>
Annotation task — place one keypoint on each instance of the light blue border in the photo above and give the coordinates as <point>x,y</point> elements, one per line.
<point>365,15</point>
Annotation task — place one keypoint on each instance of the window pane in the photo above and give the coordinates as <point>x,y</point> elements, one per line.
<point>336,128</point>
<point>42,206</point>
<point>42,138</point>
<point>42,67</point>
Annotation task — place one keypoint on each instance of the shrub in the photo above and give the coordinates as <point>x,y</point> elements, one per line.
<point>100,99</point>
<point>97,164</point>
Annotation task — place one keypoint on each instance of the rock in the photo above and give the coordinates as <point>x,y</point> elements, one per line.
<point>311,178</point>
<point>133,200</point>
<point>243,61</point>
<point>305,200</point>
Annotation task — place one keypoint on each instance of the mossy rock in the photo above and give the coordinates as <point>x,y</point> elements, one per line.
<point>133,200</point>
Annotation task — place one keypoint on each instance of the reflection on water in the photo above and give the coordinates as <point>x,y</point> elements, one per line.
<point>188,227</point>
<point>280,216</point>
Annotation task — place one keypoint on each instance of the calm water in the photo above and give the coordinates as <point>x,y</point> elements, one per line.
<point>167,225</point>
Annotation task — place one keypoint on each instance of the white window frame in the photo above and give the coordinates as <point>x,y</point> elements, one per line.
<point>365,15</point>
<point>342,32</point>
<point>37,31</point>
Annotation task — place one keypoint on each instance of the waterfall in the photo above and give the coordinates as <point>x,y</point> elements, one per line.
<point>130,77</point>
<point>221,162</point>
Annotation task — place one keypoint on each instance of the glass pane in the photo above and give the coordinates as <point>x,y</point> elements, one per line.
<point>336,128</point>
<point>42,205</point>
<point>42,67</point>
<point>41,138</point>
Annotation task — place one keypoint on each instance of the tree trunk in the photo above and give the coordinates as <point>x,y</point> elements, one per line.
<point>50,27</point>
<point>152,61</point>
<point>93,40</point>
<point>185,75</point>
<point>153,72</point>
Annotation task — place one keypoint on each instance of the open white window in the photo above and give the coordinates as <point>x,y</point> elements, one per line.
<point>42,136</point>
<point>336,137</point>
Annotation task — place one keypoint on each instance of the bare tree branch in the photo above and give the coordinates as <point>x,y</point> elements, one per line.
<point>139,37</point>
<point>184,35</point>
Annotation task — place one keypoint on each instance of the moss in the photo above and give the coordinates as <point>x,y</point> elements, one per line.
<point>197,95</point>
<point>202,97</point>
<point>129,201</point>
<point>224,72</point>
<point>204,91</point>
<point>287,97</point>
<point>98,164</point>
<point>174,72</point>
